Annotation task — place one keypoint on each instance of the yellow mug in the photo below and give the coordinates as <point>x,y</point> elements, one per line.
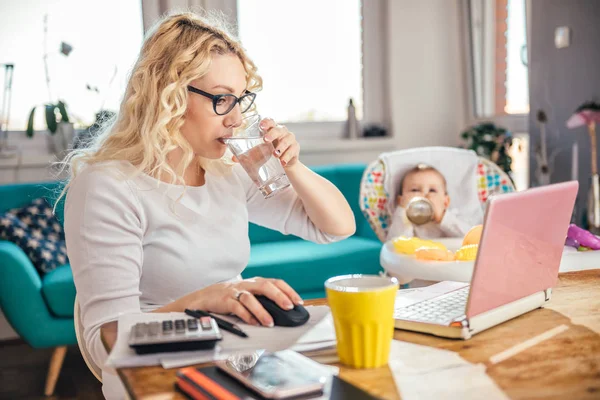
<point>362,307</point>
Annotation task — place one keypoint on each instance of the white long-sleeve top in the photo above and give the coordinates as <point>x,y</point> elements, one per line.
<point>133,246</point>
<point>452,225</point>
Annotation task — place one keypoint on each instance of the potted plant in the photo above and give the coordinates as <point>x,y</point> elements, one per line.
<point>491,142</point>
<point>60,128</point>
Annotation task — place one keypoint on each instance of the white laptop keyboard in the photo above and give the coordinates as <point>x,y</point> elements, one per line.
<point>441,310</point>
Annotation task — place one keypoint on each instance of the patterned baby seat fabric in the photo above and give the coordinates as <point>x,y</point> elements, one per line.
<point>374,199</point>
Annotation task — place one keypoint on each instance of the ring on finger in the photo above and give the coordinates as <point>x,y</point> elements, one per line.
<point>238,293</point>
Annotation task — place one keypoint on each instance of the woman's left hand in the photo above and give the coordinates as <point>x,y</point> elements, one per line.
<point>286,146</point>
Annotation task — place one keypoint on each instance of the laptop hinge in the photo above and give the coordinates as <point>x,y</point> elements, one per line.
<point>548,293</point>
<point>462,320</point>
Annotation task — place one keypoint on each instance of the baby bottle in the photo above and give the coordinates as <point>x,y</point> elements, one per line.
<point>419,210</point>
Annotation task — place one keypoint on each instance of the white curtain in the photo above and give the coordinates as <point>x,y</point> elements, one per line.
<point>154,9</point>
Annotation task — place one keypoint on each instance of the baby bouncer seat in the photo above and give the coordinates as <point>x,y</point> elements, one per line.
<point>471,180</point>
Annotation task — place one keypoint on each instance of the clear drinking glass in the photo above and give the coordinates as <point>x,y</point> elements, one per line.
<point>256,157</point>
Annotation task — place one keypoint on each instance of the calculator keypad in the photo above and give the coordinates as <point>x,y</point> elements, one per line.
<point>167,327</point>
<point>172,334</point>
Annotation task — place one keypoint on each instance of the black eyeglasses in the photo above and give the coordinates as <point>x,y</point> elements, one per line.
<point>224,103</point>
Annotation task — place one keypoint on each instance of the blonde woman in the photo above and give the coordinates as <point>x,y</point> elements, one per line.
<point>154,220</point>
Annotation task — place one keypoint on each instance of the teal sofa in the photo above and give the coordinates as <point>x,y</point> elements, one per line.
<point>41,309</point>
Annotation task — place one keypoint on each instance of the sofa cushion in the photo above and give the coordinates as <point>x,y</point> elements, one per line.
<point>19,194</point>
<point>59,291</point>
<point>37,232</point>
<point>306,265</point>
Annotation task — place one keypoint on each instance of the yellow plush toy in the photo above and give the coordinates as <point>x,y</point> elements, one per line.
<point>407,245</point>
<point>429,254</point>
<point>473,236</point>
<point>467,253</point>
<point>430,250</point>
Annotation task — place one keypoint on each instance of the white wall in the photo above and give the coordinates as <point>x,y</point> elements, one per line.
<point>427,75</point>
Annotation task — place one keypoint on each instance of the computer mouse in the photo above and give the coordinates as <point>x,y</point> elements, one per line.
<point>295,317</point>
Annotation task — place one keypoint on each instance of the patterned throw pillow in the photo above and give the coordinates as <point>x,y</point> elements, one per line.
<point>37,231</point>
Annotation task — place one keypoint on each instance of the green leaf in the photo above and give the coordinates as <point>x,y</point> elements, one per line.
<point>29,130</point>
<point>51,118</point>
<point>63,111</point>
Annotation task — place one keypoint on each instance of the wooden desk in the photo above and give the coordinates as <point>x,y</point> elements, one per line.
<point>566,366</point>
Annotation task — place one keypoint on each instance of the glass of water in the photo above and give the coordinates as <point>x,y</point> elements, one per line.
<point>256,157</point>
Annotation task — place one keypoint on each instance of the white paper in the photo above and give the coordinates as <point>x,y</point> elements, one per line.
<point>313,347</point>
<point>414,358</point>
<point>422,372</point>
<point>321,337</point>
<point>270,339</point>
<point>323,331</point>
<point>468,382</point>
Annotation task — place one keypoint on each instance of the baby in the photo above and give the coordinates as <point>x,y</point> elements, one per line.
<point>426,181</point>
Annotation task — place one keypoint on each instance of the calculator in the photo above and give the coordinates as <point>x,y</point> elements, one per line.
<point>174,335</point>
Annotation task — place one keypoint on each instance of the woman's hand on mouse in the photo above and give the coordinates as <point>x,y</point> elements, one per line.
<point>238,298</point>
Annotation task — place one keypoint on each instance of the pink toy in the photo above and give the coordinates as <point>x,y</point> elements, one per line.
<point>583,237</point>
<point>571,242</point>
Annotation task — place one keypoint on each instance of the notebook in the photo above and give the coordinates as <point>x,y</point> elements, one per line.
<point>336,389</point>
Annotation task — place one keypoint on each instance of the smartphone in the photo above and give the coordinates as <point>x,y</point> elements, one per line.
<point>277,375</point>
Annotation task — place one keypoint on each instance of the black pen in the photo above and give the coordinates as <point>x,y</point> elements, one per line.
<point>225,325</point>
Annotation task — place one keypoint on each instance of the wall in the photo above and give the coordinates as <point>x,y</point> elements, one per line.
<point>30,161</point>
<point>427,71</point>
<point>562,79</point>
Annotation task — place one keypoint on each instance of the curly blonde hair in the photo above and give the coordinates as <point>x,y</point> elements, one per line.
<point>176,51</point>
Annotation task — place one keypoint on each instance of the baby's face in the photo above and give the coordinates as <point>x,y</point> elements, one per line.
<point>424,183</point>
<point>428,184</point>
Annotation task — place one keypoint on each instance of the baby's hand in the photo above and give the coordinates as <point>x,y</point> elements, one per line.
<point>438,216</point>
<point>438,211</point>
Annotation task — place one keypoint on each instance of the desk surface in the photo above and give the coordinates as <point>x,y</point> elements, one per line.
<point>567,366</point>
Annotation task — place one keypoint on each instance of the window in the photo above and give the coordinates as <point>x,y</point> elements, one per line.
<point>104,37</point>
<point>498,44</point>
<point>346,41</point>
<point>311,62</point>
<point>314,55</point>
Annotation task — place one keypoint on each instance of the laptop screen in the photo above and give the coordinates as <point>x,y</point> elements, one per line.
<point>521,245</point>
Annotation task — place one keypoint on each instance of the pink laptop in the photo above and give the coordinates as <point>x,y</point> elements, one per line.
<point>516,267</point>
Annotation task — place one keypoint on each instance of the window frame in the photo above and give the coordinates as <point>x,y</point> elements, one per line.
<point>515,123</point>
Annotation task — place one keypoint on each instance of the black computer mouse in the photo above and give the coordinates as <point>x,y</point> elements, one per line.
<point>295,317</point>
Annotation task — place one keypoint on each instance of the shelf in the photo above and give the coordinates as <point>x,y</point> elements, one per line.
<point>27,161</point>
<point>308,146</point>
<point>346,145</point>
